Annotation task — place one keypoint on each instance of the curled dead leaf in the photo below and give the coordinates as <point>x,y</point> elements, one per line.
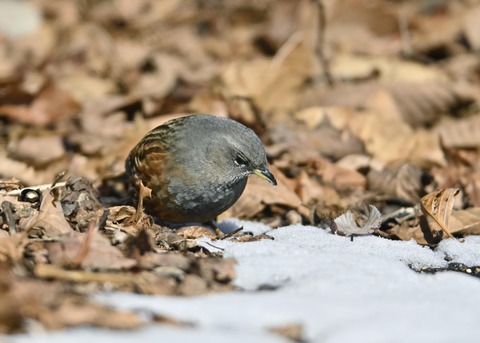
<point>357,223</point>
<point>437,208</point>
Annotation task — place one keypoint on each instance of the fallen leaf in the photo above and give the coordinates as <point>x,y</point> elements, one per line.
<point>39,150</point>
<point>100,254</point>
<point>356,223</point>
<point>272,83</point>
<point>50,105</point>
<point>406,231</point>
<point>398,180</point>
<point>472,28</point>
<point>416,103</point>
<point>462,133</point>
<point>194,232</point>
<point>437,208</point>
<point>293,332</point>
<point>49,218</point>
<point>465,222</point>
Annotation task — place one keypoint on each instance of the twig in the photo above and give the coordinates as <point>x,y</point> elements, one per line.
<point>48,271</point>
<point>17,192</point>
<point>228,235</point>
<point>58,177</point>
<point>405,33</point>
<point>103,219</point>
<point>8,214</point>
<point>213,246</point>
<point>319,48</point>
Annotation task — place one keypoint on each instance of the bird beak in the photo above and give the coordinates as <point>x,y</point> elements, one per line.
<point>265,174</point>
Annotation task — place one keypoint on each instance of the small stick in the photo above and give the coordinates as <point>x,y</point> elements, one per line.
<point>17,192</point>
<point>319,49</point>
<point>8,214</point>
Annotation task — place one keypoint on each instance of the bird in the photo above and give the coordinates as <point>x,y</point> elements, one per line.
<point>193,168</point>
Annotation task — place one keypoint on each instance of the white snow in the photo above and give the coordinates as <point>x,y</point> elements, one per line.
<point>338,290</point>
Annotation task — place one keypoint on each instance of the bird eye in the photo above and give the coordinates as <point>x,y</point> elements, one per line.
<point>240,161</point>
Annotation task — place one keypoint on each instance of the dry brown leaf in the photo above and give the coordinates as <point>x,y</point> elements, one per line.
<point>224,270</point>
<point>194,232</point>
<point>161,80</point>
<point>390,140</point>
<point>10,184</point>
<point>311,192</point>
<point>119,223</point>
<point>465,222</point>
<point>399,180</point>
<point>342,179</point>
<point>20,170</point>
<point>38,46</point>
<point>423,103</point>
<point>461,171</point>
<point>169,260</point>
<point>193,285</point>
<point>435,30</point>
<point>416,103</point>
<point>100,254</point>
<point>293,332</point>
<point>437,208</point>
<point>462,133</point>
<point>12,248</point>
<point>304,143</point>
<point>376,17</point>
<point>74,314</point>
<point>39,150</point>
<point>79,200</point>
<point>170,240</point>
<point>385,68</point>
<point>383,134</point>
<point>143,282</point>
<point>273,84</point>
<point>21,301</point>
<point>162,319</point>
<point>93,92</point>
<point>217,270</point>
<point>407,231</point>
<point>472,27</point>
<point>51,104</point>
<point>49,218</point>
<point>56,308</point>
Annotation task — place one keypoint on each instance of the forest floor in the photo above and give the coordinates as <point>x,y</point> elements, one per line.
<point>369,111</point>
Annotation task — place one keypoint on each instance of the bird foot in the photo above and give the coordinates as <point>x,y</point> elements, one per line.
<point>143,191</point>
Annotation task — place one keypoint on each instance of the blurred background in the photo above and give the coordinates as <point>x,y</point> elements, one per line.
<point>358,101</point>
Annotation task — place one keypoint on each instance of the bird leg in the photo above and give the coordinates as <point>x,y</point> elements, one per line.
<point>143,191</point>
<point>218,232</point>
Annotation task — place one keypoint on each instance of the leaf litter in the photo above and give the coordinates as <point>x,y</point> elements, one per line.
<point>370,125</point>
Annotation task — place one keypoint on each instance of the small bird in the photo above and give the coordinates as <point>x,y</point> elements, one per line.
<point>196,167</point>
